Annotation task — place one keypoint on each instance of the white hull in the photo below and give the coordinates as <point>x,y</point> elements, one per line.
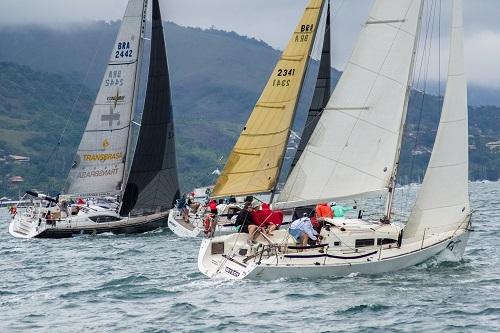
<point>32,226</point>
<point>195,226</point>
<point>317,264</point>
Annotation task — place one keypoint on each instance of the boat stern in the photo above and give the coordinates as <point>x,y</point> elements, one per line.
<point>23,227</point>
<point>179,227</point>
<point>215,259</point>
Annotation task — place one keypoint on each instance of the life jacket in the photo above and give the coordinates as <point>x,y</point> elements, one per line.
<point>207,223</point>
<point>323,210</point>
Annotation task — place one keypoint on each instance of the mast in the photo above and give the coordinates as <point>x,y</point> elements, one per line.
<point>392,181</point>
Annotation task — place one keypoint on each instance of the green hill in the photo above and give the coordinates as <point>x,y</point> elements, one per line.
<point>216,79</point>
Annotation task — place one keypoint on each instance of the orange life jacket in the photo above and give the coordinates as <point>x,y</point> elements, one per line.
<point>324,210</point>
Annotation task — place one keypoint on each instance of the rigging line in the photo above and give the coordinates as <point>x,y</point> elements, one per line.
<point>71,111</point>
<point>427,53</point>
<point>416,82</point>
<point>439,50</point>
<point>424,87</point>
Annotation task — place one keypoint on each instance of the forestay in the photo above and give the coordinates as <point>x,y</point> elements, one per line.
<point>152,184</point>
<point>99,164</point>
<point>443,202</point>
<point>352,150</point>
<point>255,162</point>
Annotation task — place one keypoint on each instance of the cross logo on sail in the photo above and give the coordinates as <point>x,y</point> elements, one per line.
<point>111,117</point>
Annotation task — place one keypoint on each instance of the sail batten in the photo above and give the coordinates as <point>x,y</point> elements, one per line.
<point>99,165</point>
<point>354,143</point>
<point>255,162</point>
<point>442,203</point>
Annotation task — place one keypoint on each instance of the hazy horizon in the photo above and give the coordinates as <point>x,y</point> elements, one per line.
<point>275,24</point>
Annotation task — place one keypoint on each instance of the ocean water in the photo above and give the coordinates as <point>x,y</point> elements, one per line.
<point>150,283</point>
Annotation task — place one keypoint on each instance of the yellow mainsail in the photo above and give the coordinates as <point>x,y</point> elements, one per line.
<point>255,162</point>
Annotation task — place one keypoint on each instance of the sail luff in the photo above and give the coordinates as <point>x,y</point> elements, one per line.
<point>100,159</point>
<point>137,79</point>
<point>442,203</point>
<point>153,184</point>
<point>352,148</point>
<point>256,159</point>
<point>321,92</point>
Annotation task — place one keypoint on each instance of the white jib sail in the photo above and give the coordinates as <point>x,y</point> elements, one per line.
<point>443,201</point>
<point>352,150</point>
<point>100,160</point>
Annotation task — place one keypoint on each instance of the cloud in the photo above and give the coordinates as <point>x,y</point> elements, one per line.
<point>273,21</point>
<point>482,58</point>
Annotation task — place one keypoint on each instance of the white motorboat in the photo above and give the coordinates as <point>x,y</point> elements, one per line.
<point>141,176</point>
<point>80,219</point>
<point>361,158</point>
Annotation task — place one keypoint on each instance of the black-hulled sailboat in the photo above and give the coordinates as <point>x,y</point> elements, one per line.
<point>112,185</point>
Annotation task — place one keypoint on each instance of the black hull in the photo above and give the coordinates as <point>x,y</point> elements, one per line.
<point>125,228</point>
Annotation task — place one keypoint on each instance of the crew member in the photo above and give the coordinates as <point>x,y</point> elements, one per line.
<point>339,210</point>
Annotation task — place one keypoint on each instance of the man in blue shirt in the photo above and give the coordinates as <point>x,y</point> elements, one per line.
<point>302,230</point>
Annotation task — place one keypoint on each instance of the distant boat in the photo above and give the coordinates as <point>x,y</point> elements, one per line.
<point>114,185</point>
<point>354,152</point>
<point>254,165</point>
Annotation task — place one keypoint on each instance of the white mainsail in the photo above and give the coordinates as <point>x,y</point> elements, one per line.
<point>352,150</point>
<point>100,160</point>
<point>443,201</point>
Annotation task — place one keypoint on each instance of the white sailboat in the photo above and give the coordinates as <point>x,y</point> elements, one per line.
<point>131,189</point>
<point>360,158</point>
<point>254,165</point>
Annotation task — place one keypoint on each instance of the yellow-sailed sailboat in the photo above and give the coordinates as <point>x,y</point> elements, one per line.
<point>254,165</point>
<point>255,162</point>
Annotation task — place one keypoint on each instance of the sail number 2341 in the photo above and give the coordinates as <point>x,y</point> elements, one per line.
<point>124,50</point>
<point>283,73</point>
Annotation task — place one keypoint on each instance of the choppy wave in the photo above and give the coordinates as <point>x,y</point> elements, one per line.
<point>150,283</point>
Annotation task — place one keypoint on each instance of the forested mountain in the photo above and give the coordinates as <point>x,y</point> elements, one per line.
<point>48,80</point>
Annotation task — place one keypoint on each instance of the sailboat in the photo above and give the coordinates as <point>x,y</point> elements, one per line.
<point>360,159</point>
<point>254,165</point>
<point>115,185</point>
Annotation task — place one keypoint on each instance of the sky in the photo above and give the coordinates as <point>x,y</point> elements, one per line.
<point>273,21</point>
